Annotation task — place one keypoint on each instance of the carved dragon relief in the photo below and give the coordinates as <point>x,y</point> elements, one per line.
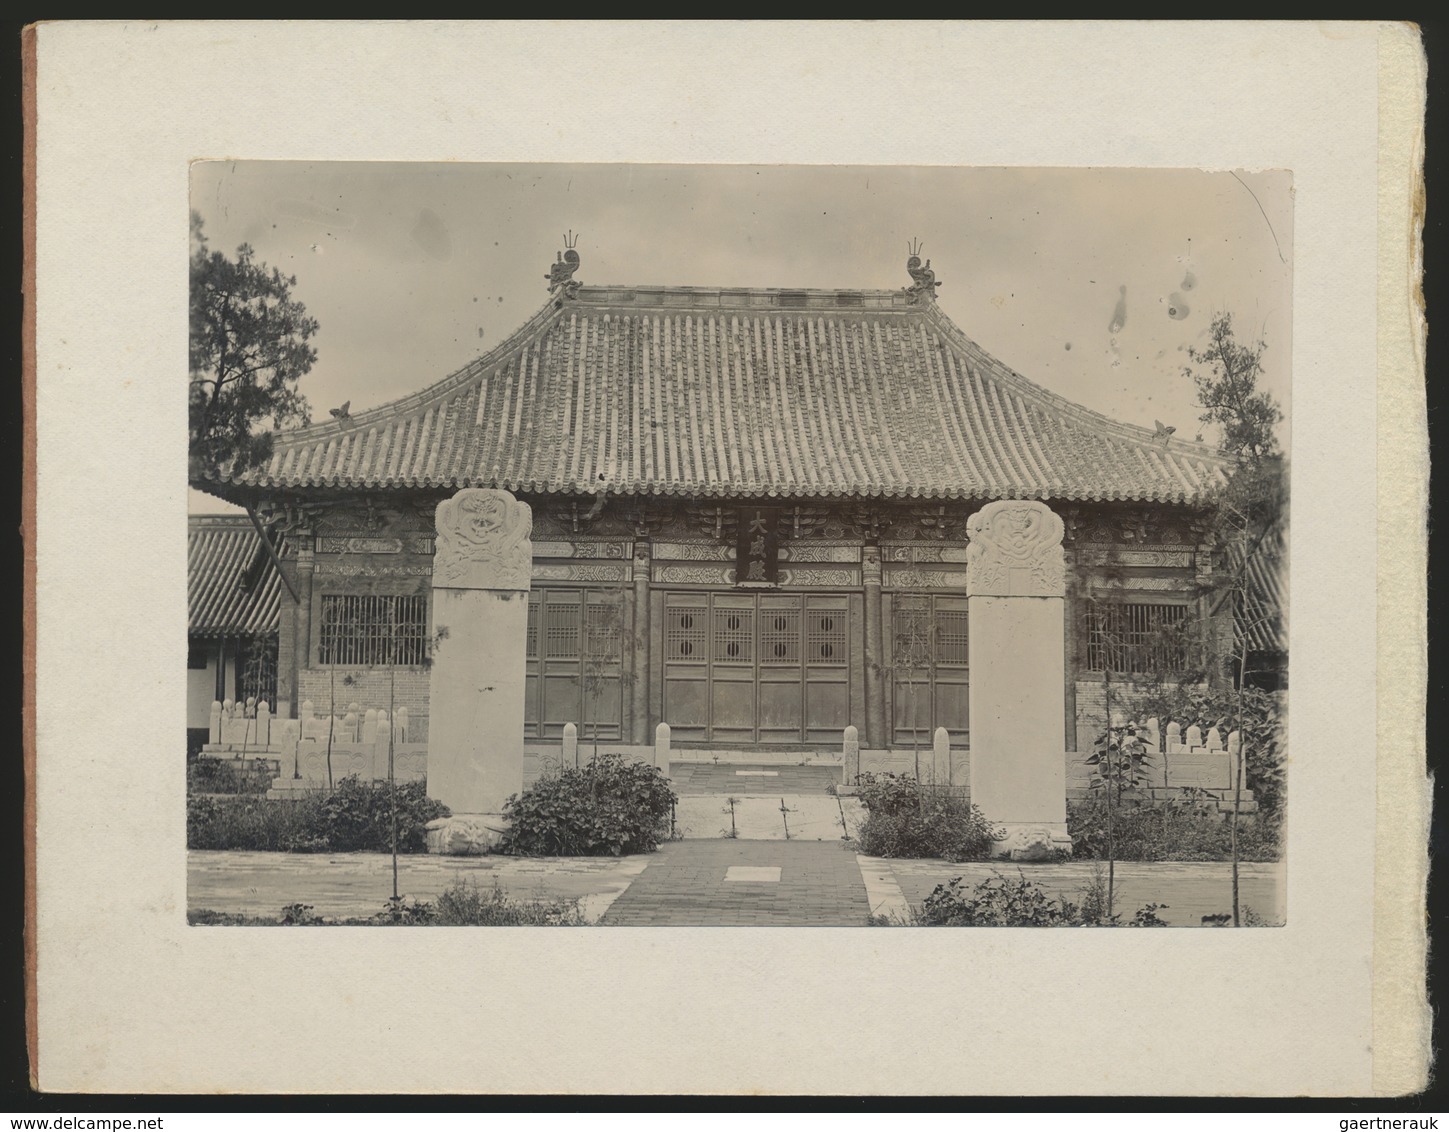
<point>1015,551</point>
<point>483,541</point>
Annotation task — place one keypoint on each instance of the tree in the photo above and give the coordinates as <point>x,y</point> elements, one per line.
<point>1247,509</point>
<point>601,634</point>
<point>249,345</point>
<point>913,657</point>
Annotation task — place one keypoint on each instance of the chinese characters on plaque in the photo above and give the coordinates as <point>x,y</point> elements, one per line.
<point>757,561</point>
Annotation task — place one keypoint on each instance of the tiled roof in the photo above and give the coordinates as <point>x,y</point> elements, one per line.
<point>233,588</point>
<point>1265,597</point>
<point>689,391</point>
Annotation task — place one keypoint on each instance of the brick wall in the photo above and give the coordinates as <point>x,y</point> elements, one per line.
<point>369,689</point>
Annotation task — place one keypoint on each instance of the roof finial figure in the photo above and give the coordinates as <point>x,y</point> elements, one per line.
<point>924,279</point>
<point>561,274</point>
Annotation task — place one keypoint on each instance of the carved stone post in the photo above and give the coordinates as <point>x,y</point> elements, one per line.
<point>875,728</point>
<point>1015,586</point>
<point>481,577</point>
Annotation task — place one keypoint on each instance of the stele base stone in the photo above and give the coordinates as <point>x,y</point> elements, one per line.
<point>465,835</point>
<point>1027,841</point>
<point>481,576</point>
<point>1016,588</point>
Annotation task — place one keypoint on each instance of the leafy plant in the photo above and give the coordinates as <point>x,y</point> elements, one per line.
<point>1174,830</point>
<point>359,815</point>
<point>1147,917</point>
<point>1095,907</point>
<point>1120,762</point>
<point>1000,902</point>
<point>464,904</point>
<point>997,902</point>
<point>905,819</point>
<point>230,776</point>
<point>355,816</point>
<point>609,805</point>
<point>399,911</point>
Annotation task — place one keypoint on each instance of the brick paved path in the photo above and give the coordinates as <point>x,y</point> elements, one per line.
<point>686,885</point>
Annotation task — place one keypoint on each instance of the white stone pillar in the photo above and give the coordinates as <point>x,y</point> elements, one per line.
<point>850,755</point>
<point>482,567</point>
<point>941,757</point>
<point>1016,590</point>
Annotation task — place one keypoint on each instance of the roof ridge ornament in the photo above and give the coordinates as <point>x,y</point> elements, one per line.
<point>561,272</point>
<point>924,279</point>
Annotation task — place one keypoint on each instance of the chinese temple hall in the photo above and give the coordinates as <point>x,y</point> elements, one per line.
<point>750,515</point>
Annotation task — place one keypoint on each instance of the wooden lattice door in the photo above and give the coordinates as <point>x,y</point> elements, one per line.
<point>742,668</point>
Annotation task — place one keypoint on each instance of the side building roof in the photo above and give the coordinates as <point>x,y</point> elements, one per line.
<point>680,391</point>
<point>232,587</point>
<point>1266,596</point>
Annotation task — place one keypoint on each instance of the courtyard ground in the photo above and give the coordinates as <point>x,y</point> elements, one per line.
<point>699,883</point>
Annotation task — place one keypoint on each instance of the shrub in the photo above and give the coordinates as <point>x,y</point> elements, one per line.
<point>608,805</point>
<point>358,815</point>
<point>401,912</point>
<point>905,819</point>
<point>355,816</point>
<point>247,821</point>
<point>998,902</point>
<point>463,904</point>
<point>229,776</point>
<point>1186,829</point>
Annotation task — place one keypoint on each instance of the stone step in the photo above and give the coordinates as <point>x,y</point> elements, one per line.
<point>758,756</point>
<point>752,778</point>
<point>807,817</point>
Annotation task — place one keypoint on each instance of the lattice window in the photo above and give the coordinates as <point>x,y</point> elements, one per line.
<point>561,630</point>
<point>914,636</point>
<point>532,645</point>
<point>684,634</point>
<point>603,628</point>
<point>734,635</point>
<point>1132,637</point>
<point>373,629</point>
<point>951,640</point>
<point>779,636</point>
<point>825,636</point>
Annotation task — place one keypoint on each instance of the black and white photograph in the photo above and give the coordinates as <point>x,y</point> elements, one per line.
<point>751,493</point>
<point>727,546</point>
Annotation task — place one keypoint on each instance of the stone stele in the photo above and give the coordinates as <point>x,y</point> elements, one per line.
<point>1016,588</point>
<point>481,569</point>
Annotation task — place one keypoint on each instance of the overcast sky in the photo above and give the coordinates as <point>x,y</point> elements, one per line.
<point>1090,282</point>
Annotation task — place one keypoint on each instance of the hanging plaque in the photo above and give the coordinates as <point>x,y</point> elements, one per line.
<point>757,556</point>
